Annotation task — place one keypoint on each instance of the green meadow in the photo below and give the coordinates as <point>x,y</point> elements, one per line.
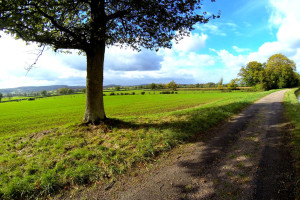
<point>44,147</point>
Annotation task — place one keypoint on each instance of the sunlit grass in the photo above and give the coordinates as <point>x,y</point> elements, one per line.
<point>34,163</point>
<point>292,107</point>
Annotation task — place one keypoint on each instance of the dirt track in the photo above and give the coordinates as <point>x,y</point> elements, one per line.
<point>245,158</point>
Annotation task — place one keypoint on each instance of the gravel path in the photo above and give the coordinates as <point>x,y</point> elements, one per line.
<point>247,157</point>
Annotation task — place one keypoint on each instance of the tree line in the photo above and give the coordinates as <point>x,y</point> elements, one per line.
<point>278,72</point>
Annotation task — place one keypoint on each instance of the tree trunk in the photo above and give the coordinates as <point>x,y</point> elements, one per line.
<point>94,111</point>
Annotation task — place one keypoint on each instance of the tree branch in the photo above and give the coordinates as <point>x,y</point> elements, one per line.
<point>38,56</point>
<point>118,14</point>
<point>55,23</point>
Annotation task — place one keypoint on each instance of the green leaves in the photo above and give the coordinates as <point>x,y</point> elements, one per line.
<point>81,24</point>
<point>278,72</point>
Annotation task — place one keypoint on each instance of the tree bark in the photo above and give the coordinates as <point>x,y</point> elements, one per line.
<point>94,111</point>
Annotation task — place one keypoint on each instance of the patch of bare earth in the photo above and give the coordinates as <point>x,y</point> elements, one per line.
<point>248,157</point>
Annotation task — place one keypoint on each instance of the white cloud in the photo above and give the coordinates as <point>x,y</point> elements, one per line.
<point>286,17</point>
<point>210,28</point>
<point>241,50</point>
<point>117,59</point>
<point>192,43</point>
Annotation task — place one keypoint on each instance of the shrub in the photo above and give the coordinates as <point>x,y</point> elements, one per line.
<point>260,87</point>
<point>166,92</point>
<point>112,93</point>
<point>142,93</point>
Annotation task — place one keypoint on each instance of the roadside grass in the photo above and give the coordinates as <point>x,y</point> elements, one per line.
<point>292,107</point>
<point>34,164</point>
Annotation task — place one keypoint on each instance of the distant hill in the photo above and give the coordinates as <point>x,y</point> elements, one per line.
<point>29,89</point>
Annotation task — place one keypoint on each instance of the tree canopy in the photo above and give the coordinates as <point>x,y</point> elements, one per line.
<point>278,72</point>
<point>281,72</point>
<point>80,24</point>
<point>91,25</point>
<point>252,74</point>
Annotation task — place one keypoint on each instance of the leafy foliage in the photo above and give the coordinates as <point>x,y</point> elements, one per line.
<point>252,74</point>
<point>278,72</point>
<point>233,84</point>
<point>172,85</point>
<point>82,24</point>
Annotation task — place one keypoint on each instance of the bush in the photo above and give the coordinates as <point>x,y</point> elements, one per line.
<point>142,93</point>
<point>260,87</point>
<point>112,94</point>
<point>166,92</point>
<point>133,93</point>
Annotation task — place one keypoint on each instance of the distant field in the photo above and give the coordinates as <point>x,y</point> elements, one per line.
<point>35,163</point>
<point>41,114</point>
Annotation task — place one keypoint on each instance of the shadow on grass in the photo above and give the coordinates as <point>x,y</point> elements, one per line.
<point>186,126</point>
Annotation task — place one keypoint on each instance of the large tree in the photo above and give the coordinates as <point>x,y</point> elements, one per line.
<point>252,74</point>
<point>281,72</point>
<point>91,25</point>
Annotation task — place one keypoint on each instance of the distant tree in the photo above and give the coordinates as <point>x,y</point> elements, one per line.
<point>161,86</point>
<point>9,96</point>
<point>281,72</point>
<point>117,88</point>
<point>1,96</point>
<point>210,85</point>
<point>91,25</point>
<point>62,91</point>
<point>172,85</point>
<point>252,74</point>
<point>44,93</point>
<point>70,91</point>
<point>233,84</point>
<point>126,88</point>
<point>153,86</point>
<point>220,84</point>
<point>197,85</point>
<point>83,90</point>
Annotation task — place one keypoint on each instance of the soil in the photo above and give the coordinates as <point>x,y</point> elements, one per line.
<point>247,157</point>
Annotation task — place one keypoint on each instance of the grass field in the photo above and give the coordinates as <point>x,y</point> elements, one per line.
<point>43,148</point>
<point>32,116</point>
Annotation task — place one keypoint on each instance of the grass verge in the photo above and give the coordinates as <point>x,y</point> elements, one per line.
<point>292,107</point>
<point>38,164</point>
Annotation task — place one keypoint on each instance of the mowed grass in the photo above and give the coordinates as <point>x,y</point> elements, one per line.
<point>45,151</point>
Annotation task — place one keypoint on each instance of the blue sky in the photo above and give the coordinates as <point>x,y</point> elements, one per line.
<point>248,30</point>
